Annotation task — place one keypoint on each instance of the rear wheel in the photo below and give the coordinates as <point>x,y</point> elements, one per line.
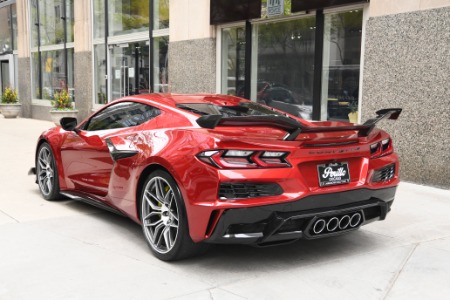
<point>47,173</point>
<point>164,220</point>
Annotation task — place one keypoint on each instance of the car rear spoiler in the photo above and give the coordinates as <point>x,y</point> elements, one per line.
<point>293,127</point>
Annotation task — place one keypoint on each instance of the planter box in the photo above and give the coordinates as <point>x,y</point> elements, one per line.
<point>56,115</point>
<point>10,111</point>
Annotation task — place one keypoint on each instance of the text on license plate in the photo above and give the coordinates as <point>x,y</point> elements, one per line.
<point>333,173</point>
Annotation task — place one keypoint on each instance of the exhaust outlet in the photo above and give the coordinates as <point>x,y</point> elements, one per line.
<point>319,226</point>
<point>344,222</point>
<point>333,224</point>
<point>355,219</point>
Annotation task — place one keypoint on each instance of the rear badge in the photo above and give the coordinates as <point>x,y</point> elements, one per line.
<point>333,173</point>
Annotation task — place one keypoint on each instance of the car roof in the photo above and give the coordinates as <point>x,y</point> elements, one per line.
<point>174,99</point>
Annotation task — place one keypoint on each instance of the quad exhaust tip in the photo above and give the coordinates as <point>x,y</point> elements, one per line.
<point>337,223</point>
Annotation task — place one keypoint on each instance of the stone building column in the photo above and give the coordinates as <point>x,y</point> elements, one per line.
<point>24,64</point>
<point>192,47</point>
<point>83,78</point>
<point>406,65</point>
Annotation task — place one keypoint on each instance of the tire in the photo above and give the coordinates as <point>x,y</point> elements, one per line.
<point>47,173</point>
<point>164,220</point>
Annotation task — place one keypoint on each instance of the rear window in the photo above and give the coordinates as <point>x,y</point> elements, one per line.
<point>243,109</point>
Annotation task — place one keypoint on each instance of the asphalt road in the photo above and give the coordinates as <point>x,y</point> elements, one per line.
<point>70,250</point>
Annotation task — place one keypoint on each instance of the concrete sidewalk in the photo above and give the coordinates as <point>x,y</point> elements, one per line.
<point>70,250</point>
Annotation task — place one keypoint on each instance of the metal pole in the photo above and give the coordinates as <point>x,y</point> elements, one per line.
<point>108,96</point>
<point>38,24</point>
<point>66,72</point>
<point>150,48</point>
<point>318,65</point>
<point>248,59</point>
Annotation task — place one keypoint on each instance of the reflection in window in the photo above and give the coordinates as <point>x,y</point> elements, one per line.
<point>160,63</point>
<point>129,69</point>
<point>127,16</point>
<point>99,18</point>
<point>8,24</point>
<point>52,23</point>
<point>99,74</point>
<point>161,14</point>
<point>233,61</point>
<point>122,115</point>
<point>14,24</point>
<point>341,64</point>
<point>53,76</point>
<point>285,68</point>
<point>128,58</point>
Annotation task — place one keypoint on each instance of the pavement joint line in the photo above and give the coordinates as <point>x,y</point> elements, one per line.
<point>230,292</point>
<point>6,214</point>
<point>399,272</point>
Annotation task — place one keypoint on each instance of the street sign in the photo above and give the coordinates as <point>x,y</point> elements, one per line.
<point>275,8</point>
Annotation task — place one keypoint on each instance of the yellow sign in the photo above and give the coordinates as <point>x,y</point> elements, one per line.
<point>48,65</point>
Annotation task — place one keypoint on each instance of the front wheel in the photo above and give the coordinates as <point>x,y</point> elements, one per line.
<point>47,173</point>
<point>164,220</point>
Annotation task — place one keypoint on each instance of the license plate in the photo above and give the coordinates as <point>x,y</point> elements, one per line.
<point>333,173</point>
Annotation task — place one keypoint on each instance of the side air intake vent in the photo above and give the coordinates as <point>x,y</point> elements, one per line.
<point>237,190</point>
<point>384,174</point>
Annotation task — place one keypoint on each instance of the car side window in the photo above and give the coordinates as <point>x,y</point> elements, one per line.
<point>122,115</point>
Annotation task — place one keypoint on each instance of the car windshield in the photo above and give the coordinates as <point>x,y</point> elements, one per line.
<point>243,109</point>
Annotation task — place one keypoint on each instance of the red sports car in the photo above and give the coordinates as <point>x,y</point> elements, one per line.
<point>199,169</point>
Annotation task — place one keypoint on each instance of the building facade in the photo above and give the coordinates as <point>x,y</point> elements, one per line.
<point>320,60</point>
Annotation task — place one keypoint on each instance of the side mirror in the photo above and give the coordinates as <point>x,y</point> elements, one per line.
<point>68,124</point>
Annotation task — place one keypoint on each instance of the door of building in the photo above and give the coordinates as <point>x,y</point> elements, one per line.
<point>129,69</point>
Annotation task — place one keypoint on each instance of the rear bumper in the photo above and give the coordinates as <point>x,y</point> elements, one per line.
<point>278,223</point>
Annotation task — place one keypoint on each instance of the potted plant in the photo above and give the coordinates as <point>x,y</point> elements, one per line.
<point>10,106</point>
<point>353,115</point>
<point>62,106</point>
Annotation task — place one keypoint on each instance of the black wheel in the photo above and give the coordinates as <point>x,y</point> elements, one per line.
<point>47,173</point>
<point>164,220</point>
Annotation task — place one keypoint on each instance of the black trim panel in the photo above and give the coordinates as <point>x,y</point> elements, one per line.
<point>79,196</point>
<point>263,225</point>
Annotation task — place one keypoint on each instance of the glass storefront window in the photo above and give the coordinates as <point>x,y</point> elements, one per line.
<point>34,22</point>
<point>53,73</point>
<point>341,64</point>
<point>233,61</point>
<point>48,18</point>
<point>5,31</point>
<point>51,14</point>
<point>129,69</point>
<point>8,29</point>
<point>128,16</point>
<point>285,65</point>
<point>14,25</point>
<point>70,20</point>
<point>99,18</point>
<point>161,14</point>
<point>99,74</point>
<point>126,68</point>
<point>160,63</point>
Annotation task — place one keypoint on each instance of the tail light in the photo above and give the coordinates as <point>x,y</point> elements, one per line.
<point>244,159</point>
<point>384,147</point>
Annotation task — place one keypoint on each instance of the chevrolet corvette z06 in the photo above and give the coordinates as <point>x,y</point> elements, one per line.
<point>204,168</point>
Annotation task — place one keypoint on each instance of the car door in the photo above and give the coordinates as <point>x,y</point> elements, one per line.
<point>85,155</point>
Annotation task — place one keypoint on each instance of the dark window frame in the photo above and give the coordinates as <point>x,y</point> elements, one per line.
<point>130,112</point>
